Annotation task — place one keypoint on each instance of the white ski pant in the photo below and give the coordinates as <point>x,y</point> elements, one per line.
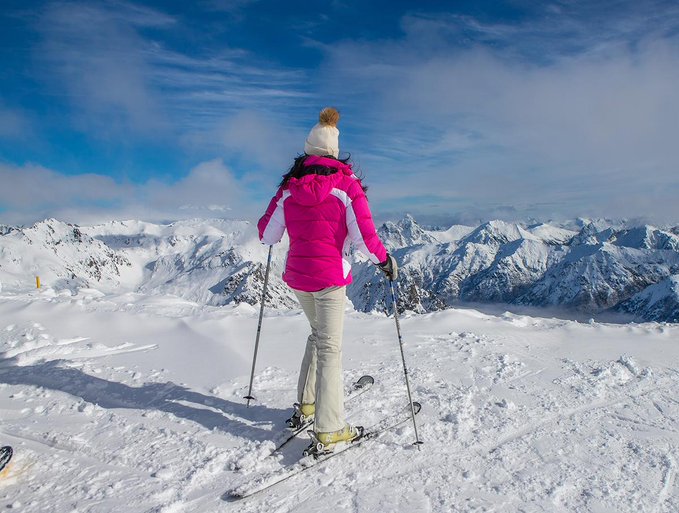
<point>320,378</point>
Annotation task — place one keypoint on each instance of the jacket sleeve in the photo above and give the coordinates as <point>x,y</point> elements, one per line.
<point>271,225</point>
<point>361,226</point>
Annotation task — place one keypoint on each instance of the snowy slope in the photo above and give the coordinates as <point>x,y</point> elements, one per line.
<point>134,403</point>
<point>658,302</point>
<point>452,234</point>
<point>61,255</point>
<point>435,276</point>
<point>553,235</point>
<point>593,277</point>
<point>212,261</point>
<point>514,269</point>
<point>647,237</point>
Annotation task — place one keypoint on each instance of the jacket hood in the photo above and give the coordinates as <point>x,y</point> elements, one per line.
<point>312,189</point>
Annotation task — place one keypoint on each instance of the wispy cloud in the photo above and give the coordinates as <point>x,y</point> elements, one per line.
<point>14,123</point>
<point>115,65</point>
<point>547,31</point>
<point>228,6</point>
<point>97,54</point>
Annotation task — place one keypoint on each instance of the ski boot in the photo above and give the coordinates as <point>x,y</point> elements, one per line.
<point>324,443</point>
<point>302,417</point>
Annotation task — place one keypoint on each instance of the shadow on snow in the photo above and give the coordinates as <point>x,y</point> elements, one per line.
<point>211,412</point>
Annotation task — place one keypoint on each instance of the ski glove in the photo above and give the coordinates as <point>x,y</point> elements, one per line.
<point>389,267</point>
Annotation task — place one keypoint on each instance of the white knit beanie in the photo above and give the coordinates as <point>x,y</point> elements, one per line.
<point>323,139</point>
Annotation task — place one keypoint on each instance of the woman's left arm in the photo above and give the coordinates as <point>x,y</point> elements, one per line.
<point>271,225</point>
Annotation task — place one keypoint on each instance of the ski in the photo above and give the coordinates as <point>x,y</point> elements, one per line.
<point>5,455</point>
<point>387,424</point>
<point>358,388</point>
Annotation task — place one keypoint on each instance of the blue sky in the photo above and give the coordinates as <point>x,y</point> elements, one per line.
<point>453,111</point>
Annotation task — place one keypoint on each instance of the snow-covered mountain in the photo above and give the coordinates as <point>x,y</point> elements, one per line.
<point>63,255</point>
<point>217,262</point>
<point>647,237</point>
<point>592,270</point>
<point>404,233</point>
<point>206,261</point>
<point>659,302</point>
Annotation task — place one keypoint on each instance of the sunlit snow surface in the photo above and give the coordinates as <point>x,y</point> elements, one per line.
<point>134,403</point>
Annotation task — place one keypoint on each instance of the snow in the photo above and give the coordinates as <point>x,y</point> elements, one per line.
<point>452,234</point>
<point>647,237</point>
<point>498,232</point>
<point>552,234</point>
<point>123,401</point>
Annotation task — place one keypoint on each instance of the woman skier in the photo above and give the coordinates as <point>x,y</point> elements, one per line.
<point>323,206</point>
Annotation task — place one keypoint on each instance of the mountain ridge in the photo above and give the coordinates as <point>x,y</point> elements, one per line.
<point>597,268</point>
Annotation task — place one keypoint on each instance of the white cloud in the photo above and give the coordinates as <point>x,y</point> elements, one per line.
<point>208,190</point>
<point>477,127</point>
<point>32,185</point>
<point>208,186</point>
<point>259,138</point>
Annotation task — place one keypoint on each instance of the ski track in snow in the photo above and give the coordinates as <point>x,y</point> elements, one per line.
<point>122,403</point>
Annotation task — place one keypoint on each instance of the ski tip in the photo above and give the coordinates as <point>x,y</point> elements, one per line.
<point>232,496</point>
<point>416,407</point>
<point>5,457</point>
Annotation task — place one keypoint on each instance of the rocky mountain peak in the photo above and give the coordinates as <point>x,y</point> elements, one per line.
<point>498,233</point>
<point>647,237</point>
<point>405,232</point>
<point>658,302</point>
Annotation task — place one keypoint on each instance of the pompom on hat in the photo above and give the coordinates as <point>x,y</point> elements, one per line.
<point>323,139</point>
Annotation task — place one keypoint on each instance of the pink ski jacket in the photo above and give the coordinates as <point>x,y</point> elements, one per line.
<point>323,214</point>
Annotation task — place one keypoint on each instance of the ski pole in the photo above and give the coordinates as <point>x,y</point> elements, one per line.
<point>259,327</point>
<point>418,442</point>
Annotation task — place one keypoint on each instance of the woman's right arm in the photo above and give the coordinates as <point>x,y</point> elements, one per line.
<point>271,225</point>
<point>361,226</point>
